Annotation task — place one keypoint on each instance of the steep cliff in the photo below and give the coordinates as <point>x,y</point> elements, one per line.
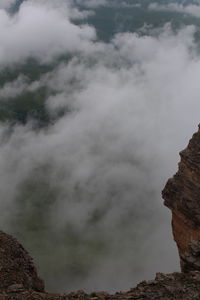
<point>182,196</point>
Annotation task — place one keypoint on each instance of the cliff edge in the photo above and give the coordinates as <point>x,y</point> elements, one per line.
<point>182,196</point>
<point>19,279</point>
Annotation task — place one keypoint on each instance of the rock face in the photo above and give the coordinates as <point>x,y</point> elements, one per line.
<point>182,196</point>
<point>17,271</point>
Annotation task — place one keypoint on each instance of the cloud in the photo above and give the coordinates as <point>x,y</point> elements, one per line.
<point>92,3</point>
<point>6,4</point>
<point>84,193</point>
<point>51,35</point>
<point>131,5</point>
<point>191,9</point>
<point>17,87</point>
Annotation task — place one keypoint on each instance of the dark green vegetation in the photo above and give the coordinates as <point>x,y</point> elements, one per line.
<point>135,17</point>
<point>28,105</point>
<point>108,20</point>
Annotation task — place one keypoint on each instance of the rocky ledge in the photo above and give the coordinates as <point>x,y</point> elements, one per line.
<point>164,287</point>
<point>19,279</point>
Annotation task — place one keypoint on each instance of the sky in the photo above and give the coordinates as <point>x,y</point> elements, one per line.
<point>83,191</point>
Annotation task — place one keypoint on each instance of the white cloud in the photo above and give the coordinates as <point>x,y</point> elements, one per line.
<point>125,4</point>
<point>17,87</point>
<point>92,3</point>
<point>40,31</point>
<point>132,105</point>
<point>5,4</point>
<point>191,9</point>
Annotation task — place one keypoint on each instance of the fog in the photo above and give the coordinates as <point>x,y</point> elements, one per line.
<point>5,4</point>
<point>83,194</point>
<point>190,9</point>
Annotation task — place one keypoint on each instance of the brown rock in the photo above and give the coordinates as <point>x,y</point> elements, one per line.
<point>182,196</point>
<point>19,281</point>
<point>15,288</point>
<point>16,266</point>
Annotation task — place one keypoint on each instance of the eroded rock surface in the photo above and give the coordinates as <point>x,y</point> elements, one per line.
<point>178,286</point>
<point>182,196</point>
<point>17,271</point>
<point>19,281</point>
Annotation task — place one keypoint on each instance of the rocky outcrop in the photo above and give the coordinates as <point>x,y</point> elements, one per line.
<point>182,196</point>
<point>19,281</point>
<point>17,271</point>
<point>165,287</point>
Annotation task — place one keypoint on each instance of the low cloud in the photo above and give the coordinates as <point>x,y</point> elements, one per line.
<point>92,3</point>
<point>191,9</point>
<point>53,34</point>
<point>84,193</point>
<point>6,4</point>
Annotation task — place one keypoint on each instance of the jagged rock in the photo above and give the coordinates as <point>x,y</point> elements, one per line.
<point>182,196</point>
<point>19,280</point>
<point>174,286</point>
<point>17,270</point>
<point>16,288</point>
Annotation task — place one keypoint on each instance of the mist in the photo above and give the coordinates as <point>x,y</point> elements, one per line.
<point>83,192</point>
<point>190,9</point>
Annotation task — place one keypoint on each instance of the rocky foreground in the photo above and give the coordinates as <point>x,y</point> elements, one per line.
<point>165,287</point>
<point>18,275</point>
<point>19,281</point>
